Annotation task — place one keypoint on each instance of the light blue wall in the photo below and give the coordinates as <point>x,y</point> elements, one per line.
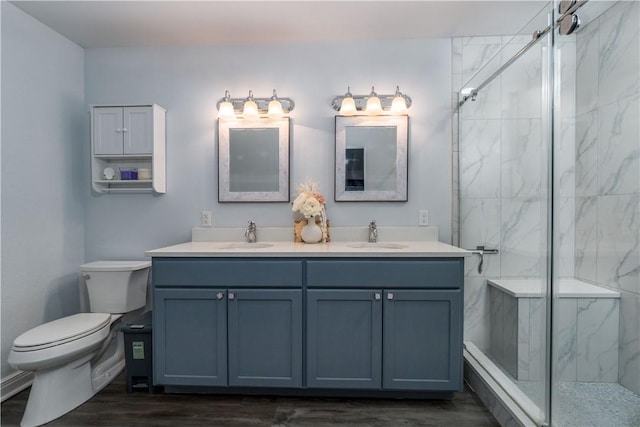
<point>189,81</point>
<point>52,222</point>
<point>42,175</point>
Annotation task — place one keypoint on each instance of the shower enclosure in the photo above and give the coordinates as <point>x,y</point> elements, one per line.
<point>546,162</point>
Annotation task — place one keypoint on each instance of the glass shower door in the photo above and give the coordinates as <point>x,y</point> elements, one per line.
<point>504,148</point>
<point>596,299</point>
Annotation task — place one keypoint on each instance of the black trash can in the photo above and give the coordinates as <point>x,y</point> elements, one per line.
<point>138,359</point>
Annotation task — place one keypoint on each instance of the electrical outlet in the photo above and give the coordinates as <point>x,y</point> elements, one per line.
<point>423,217</point>
<point>205,219</point>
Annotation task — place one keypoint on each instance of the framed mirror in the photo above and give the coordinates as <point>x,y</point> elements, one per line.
<point>371,158</point>
<point>253,160</point>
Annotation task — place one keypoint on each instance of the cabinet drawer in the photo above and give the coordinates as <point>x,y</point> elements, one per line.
<point>249,272</point>
<point>419,273</point>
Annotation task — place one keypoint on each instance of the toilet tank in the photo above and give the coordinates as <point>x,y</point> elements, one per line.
<point>116,286</point>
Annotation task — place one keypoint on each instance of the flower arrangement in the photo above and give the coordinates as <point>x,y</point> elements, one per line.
<point>310,203</point>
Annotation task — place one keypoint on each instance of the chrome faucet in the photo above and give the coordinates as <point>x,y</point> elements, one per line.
<point>250,233</point>
<point>373,232</point>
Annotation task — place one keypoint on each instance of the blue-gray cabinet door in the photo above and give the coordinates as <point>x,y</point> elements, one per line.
<point>422,340</point>
<point>190,337</point>
<point>344,339</point>
<point>265,337</point>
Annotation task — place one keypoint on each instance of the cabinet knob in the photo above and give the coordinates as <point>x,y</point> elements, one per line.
<point>377,296</point>
<point>232,295</point>
<point>389,296</point>
<point>124,129</point>
<point>219,295</point>
<point>119,130</point>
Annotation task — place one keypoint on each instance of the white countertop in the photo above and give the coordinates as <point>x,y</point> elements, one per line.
<point>289,249</point>
<point>569,288</point>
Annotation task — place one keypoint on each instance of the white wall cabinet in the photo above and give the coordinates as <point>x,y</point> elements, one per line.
<point>126,137</point>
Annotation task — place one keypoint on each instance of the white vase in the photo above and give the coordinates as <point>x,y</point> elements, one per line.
<point>311,233</point>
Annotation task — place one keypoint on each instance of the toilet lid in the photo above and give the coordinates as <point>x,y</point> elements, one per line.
<point>63,330</point>
<point>115,265</point>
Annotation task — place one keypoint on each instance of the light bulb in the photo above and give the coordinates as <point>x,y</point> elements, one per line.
<point>275,109</point>
<point>250,107</point>
<point>275,106</point>
<point>373,103</point>
<point>399,104</point>
<point>225,109</point>
<point>348,105</point>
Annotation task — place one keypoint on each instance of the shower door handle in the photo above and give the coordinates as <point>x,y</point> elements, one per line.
<point>482,251</point>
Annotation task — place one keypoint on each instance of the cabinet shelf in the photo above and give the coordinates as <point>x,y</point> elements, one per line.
<point>123,181</point>
<point>123,156</point>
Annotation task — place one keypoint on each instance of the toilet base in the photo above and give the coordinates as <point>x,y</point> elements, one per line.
<point>56,391</point>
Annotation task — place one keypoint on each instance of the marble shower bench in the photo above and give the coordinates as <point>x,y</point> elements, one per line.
<point>587,326</point>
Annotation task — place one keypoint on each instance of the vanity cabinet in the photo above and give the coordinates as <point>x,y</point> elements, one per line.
<point>128,137</point>
<point>383,325</point>
<point>351,321</point>
<point>404,335</point>
<point>192,348</point>
<point>225,323</point>
<point>422,332</point>
<point>265,337</point>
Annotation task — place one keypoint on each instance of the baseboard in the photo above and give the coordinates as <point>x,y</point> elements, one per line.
<point>14,383</point>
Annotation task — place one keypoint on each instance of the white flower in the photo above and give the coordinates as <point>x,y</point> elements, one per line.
<point>309,201</point>
<point>311,207</point>
<point>298,202</point>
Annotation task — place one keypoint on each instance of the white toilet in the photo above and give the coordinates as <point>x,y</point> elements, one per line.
<point>74,357</point>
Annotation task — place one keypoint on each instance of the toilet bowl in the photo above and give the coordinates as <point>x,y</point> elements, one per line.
<point>74,357</point>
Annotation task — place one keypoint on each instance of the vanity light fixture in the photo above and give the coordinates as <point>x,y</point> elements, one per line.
<point>252,107</point>
<point>250,110</point>
<point>275,106</point>
<point>398,104</point>
<point>225,108</point>
<point>348,105</point>
<point>371,104</point>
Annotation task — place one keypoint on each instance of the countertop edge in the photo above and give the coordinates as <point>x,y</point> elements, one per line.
<point>421,249</point>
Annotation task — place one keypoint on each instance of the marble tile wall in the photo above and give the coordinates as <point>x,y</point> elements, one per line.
<point>500,161</point>
<point>607,169</point>
<point>500,189</point>
<point>587,340</point>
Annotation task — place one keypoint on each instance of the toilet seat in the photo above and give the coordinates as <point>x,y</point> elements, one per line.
<point>68,338</point>
<point>61,331</point>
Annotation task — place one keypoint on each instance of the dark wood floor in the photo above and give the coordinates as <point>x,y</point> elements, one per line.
<point>113,406</point>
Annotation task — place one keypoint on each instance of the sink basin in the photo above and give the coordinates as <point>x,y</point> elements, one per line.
<point>367,245</point>
<point>245,245</point>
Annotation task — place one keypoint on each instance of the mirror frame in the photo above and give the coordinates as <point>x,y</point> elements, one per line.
<point>400,194</point>
<point>224,127</point>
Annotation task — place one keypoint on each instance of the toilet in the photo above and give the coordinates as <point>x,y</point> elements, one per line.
<point>75,357</point>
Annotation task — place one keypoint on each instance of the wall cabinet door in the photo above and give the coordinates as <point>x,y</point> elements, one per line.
<point>138,134</point>
<point>344,339</point>
<point>122,130</point>
<point>422,340</point>
<point>190,337</point>
<point>108,123</point>
<point>265,337</point>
